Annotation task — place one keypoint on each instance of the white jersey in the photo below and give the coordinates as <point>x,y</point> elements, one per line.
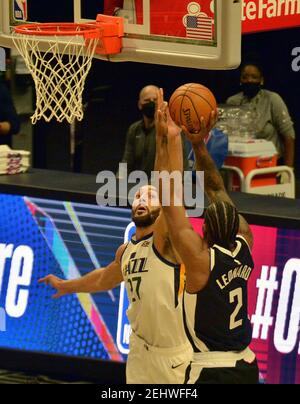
<point>155,290</point>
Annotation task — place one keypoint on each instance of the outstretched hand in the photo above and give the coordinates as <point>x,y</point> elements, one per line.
<point>199,137</point>
<point>165,126</point>
<point>56,283</point>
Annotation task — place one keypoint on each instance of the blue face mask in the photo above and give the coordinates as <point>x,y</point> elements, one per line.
<point>149,109</point>
<point>251,89</point>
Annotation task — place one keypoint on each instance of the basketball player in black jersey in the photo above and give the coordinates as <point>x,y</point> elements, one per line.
<point>218,267</point>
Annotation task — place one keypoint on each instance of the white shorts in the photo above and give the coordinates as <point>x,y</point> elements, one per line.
<point>220,361</point>
<point>152,365</point>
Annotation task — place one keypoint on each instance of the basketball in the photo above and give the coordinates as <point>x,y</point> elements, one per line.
<point>189,103</point>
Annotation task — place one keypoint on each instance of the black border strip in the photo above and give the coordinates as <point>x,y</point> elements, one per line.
<point>63,367</point>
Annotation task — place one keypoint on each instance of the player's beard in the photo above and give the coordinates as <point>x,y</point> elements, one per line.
<point>146,220</point>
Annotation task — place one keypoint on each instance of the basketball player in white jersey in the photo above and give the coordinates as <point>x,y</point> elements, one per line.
<point>218,267</point>
<point>159,349</point>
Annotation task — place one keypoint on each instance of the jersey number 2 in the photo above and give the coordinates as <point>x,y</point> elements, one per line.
<point>236,294</point>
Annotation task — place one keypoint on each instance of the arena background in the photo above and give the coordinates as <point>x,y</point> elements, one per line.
<point>69,239</point>
<point>112,90</point>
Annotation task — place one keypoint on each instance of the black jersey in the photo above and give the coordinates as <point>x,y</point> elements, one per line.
<point>216,318</point>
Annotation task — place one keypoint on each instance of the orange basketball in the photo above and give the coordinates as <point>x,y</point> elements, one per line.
<point>189,103</point>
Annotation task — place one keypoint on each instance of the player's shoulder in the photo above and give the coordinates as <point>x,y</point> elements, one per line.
<point>244,242</point>
<point>120,251</point>
<point>241,244</point>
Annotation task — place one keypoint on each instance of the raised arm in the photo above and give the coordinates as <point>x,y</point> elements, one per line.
<point>213,182</point>
<point>186,241</point>
<point>99,280</point>
<point>162,237</point>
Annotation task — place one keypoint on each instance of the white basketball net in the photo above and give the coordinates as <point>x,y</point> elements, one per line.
<point>59,66</point>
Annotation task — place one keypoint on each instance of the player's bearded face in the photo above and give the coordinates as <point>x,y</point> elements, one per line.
<point>146,207</point>
<point>144,217</point>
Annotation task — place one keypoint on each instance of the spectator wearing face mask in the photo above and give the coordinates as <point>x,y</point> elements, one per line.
<point>273,119</point>
<point>140,147</point>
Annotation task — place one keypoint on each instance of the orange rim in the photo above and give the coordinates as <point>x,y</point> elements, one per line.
<point>57,29</point>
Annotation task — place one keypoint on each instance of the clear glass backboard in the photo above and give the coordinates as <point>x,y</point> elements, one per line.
<point>198,34</point>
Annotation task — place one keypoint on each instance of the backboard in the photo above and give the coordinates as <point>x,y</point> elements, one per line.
<point>199,34</point>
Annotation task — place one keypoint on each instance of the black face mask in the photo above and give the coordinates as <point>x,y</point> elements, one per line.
<point>250,89</point>
<point>149,109</point>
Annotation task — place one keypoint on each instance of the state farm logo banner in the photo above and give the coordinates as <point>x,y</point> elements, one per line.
<point>180,18</point>
<point>197,19</point>
<point>265,15</point>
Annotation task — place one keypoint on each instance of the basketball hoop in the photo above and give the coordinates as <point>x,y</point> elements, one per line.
<point>59,57</point>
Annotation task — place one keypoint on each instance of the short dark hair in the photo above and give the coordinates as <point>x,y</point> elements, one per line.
<point>222,223</point>
<point>252,60</point>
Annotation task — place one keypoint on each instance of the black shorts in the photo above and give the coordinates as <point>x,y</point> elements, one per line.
<point>242,373</point>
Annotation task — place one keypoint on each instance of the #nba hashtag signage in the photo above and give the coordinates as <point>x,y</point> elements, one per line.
<point>262,320</point>
<point>287,316</point>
